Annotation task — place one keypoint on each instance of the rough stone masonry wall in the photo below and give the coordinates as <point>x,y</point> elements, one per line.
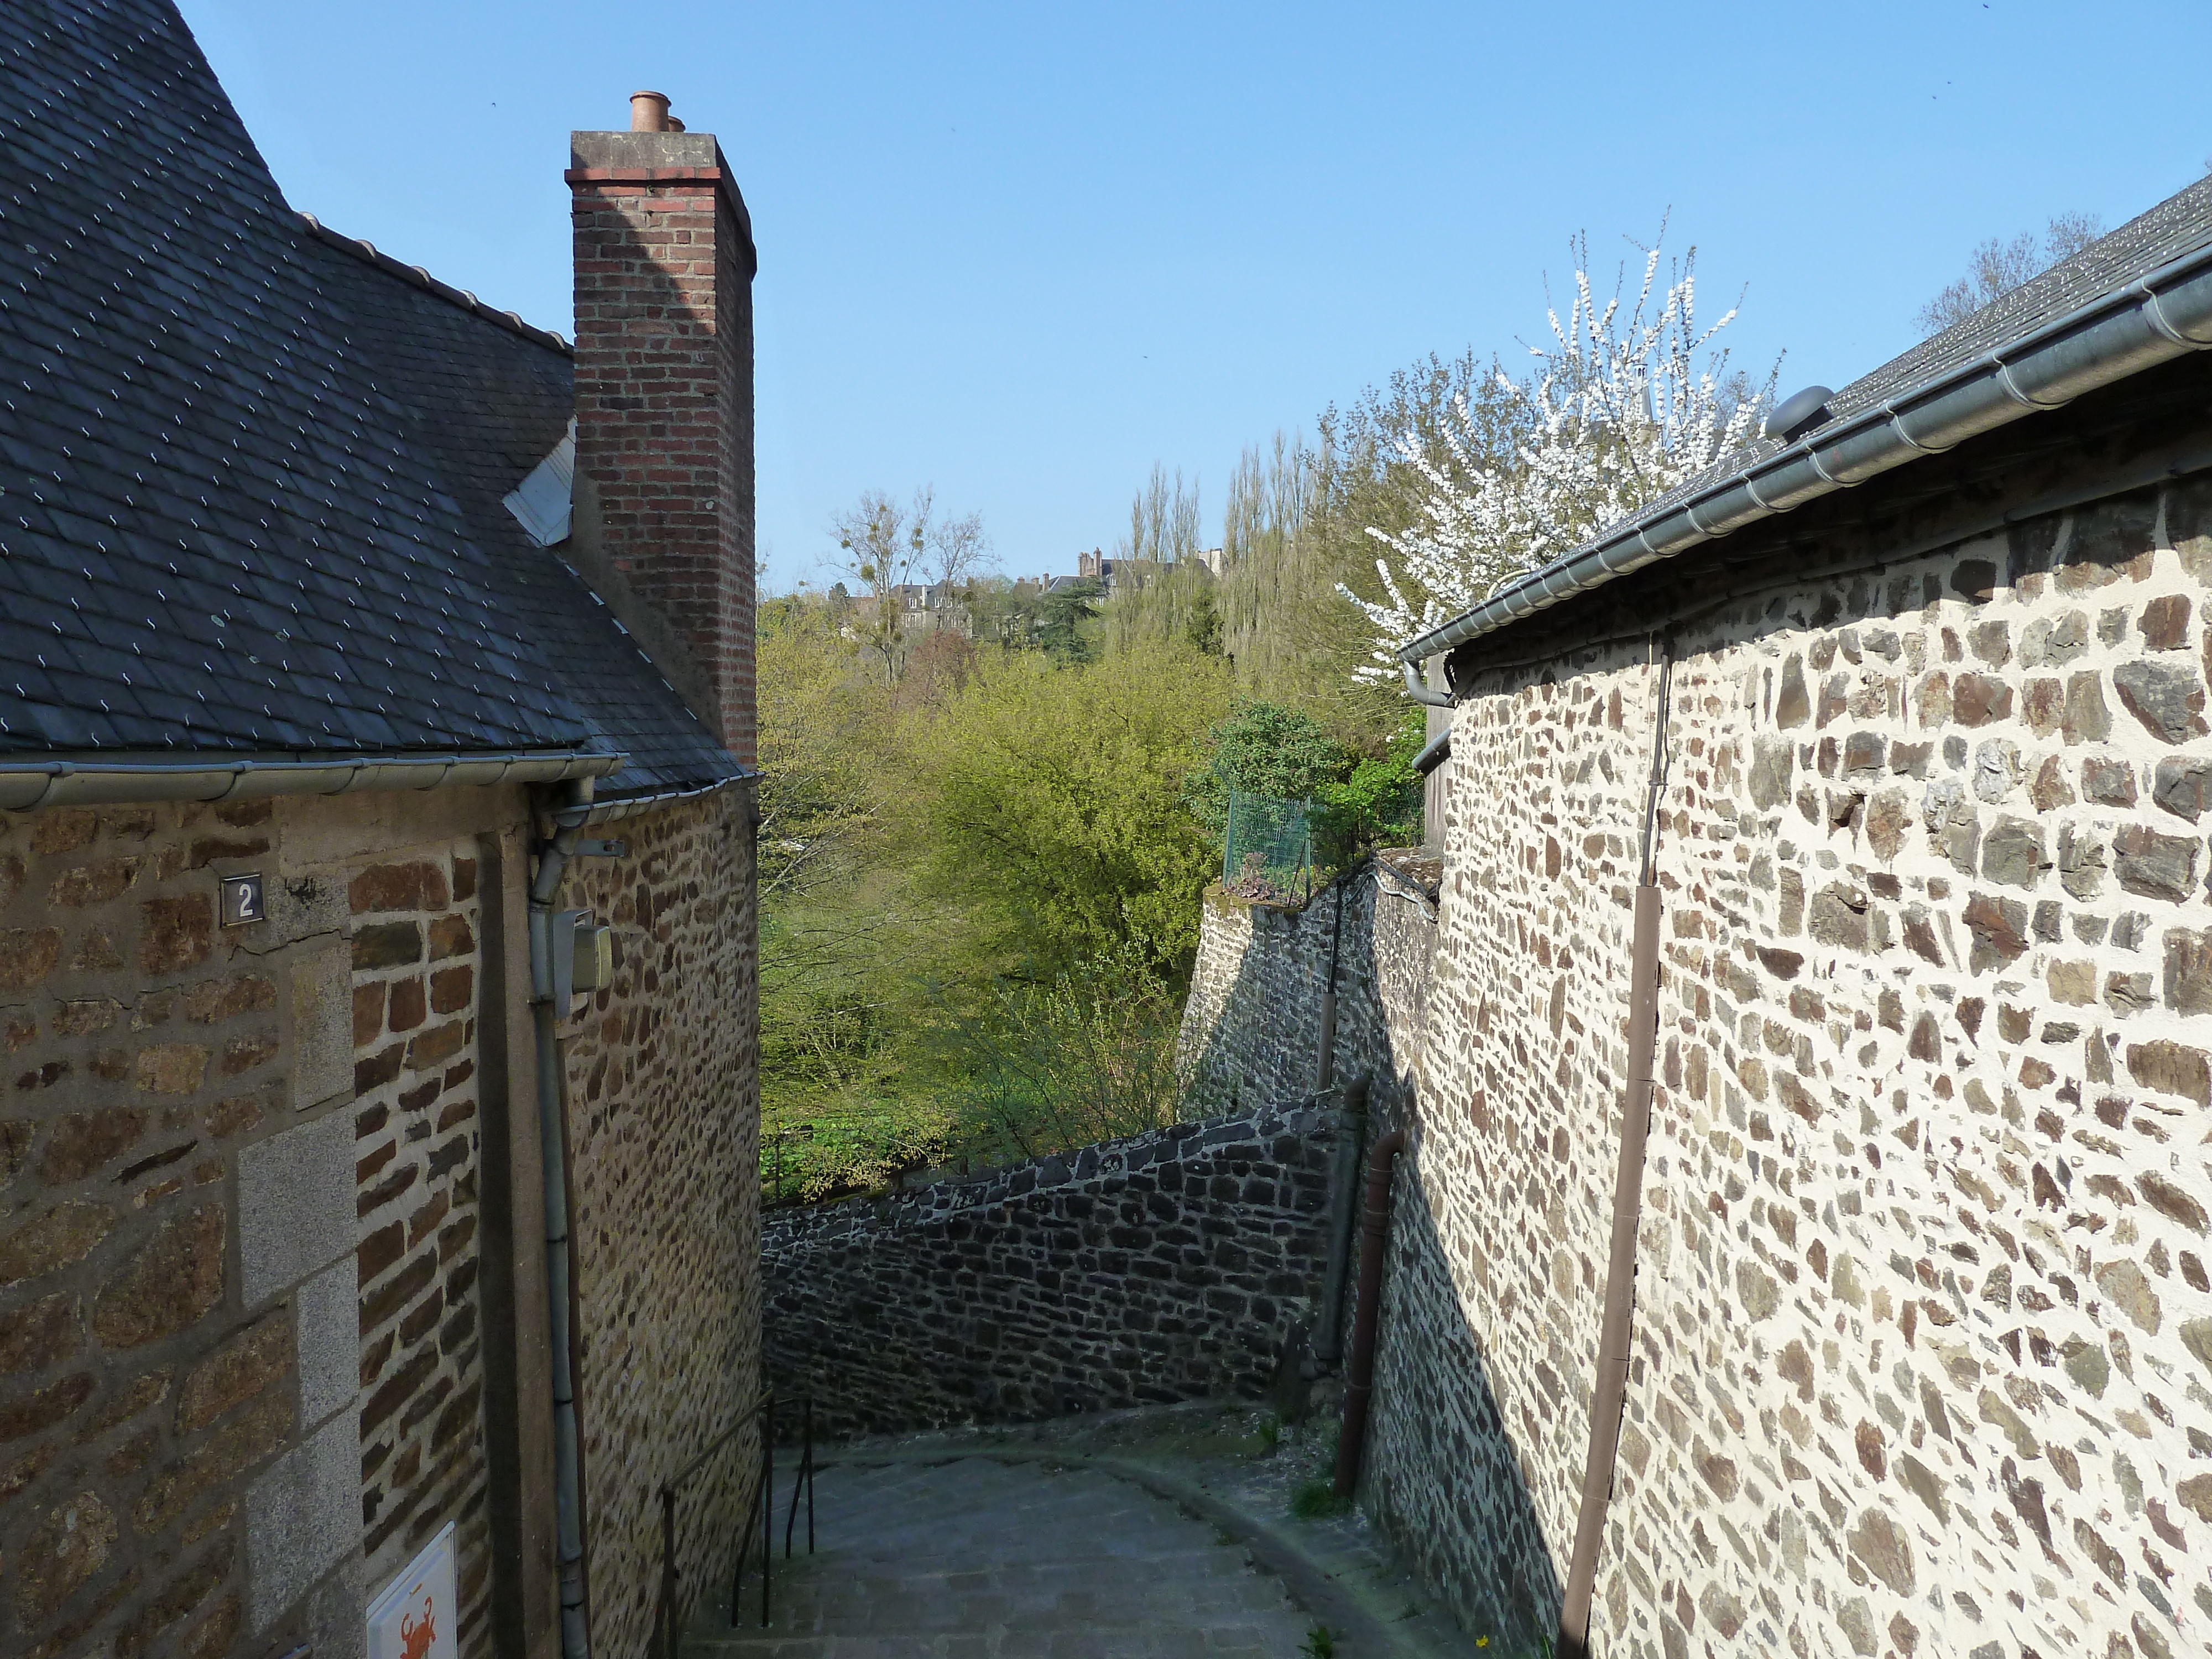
<point>1250,1035</point>
<point>1924,1325</point>
<point>1170,1265</point>
<point>1251,1028</point>
<point>664,1135</point>
<point>177,1353</point>
<point>415,924</point>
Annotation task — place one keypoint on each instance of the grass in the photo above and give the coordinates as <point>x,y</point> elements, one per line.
<point>1320,1643</point>
<point>1316,1500</point>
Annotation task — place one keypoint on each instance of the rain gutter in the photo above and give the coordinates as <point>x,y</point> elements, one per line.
<point>27,786</point>
<point>2151,321</point>
<point>612,811</point>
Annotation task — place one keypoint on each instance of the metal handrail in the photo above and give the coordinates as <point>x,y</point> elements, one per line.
<point>759,1509</point>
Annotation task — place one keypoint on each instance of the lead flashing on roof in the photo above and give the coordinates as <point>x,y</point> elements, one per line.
<point>543,503</point>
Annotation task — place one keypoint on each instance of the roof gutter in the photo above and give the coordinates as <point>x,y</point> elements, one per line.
<point>610,811</point>
<point>30,786</point>
<point>2151,320</point>
<point>1418,688</point>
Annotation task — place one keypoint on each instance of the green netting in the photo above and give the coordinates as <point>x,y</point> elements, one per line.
<point>1266,849</point>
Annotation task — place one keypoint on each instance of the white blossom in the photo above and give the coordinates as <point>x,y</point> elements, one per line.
<point>1622,409</point>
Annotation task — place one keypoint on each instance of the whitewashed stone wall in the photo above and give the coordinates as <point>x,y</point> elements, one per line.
<point>1923,1326</point>
<point>1923,1322</point>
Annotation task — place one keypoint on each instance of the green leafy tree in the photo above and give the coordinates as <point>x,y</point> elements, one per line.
<point>1065,619</point>
<point>1265,748</point>
<point>1176,606</point>
<point>1087,1055</point>
<point>1049,801</point>
<point>1379,804</point>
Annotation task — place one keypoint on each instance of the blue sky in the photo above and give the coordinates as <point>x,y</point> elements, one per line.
<point>1022,252</point>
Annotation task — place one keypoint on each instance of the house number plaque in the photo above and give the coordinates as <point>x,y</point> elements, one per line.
<point>241,900</point>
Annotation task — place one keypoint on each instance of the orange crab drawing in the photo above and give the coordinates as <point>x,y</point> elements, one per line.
<point>415,1639</point>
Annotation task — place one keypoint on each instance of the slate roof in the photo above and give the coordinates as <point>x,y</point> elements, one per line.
<point>2180,224</point>
<point>250,475</point>
<point>2093,289</point>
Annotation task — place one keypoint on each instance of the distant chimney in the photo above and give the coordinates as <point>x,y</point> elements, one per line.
<point>664,265</point>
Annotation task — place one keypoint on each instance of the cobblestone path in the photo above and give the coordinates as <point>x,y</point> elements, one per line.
<point>973,1558</point>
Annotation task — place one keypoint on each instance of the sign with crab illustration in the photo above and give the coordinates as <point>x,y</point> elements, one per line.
<point>415,1615</point>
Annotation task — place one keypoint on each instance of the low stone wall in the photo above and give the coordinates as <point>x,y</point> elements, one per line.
<point>1171,1265</point>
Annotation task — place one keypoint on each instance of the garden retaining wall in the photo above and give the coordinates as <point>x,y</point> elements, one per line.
<point>1175,1264</point>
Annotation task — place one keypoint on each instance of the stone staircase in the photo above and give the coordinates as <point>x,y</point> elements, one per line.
<point>970,1557</point>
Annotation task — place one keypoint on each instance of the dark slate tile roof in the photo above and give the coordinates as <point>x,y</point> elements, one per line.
<point>2181,224</point>
<point>250,478</point>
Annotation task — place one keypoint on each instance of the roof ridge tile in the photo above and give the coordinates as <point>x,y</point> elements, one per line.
<point>367,251</point>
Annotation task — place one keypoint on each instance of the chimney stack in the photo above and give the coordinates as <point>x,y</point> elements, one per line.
<point>664,265</point>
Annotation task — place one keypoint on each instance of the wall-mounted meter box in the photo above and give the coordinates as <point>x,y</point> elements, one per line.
<point>415,1616</point>
<point>569,953</point>
<point>594,969</point>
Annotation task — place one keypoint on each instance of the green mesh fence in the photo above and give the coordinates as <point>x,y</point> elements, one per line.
<point>1266,849</point>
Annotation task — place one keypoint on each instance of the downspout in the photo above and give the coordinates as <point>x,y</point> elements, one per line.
<point>549,1006</point>
<point>1328,1342</point>
<point>1609,1393</point>
<point>1359,1382</point>
<point>1418,688</point>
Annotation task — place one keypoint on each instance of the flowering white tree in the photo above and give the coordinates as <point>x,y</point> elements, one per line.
<point>1627,403</point>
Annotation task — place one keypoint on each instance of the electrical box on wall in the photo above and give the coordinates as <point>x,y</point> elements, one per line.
<point>594,967</point>
<point>570,953</point>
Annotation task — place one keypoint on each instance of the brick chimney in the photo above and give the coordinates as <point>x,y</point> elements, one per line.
<point>664,265</point>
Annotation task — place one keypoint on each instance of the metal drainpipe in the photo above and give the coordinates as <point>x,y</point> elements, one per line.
<point>1359,1383</point>
<point>1418,688</point>
<point>1328,1340</point>
<point>1609,1394</point>
<point>552,1131</point>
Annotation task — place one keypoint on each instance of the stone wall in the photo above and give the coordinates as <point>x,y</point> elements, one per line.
<point>1921,1314</point>
<point>243,1219</point>
<point>177,1352</point>
<point>664,1134</point>
<point>414,925</point>
<point>1171,1266</point>
<point>1251,1027</point>
<point>1923,1320</point>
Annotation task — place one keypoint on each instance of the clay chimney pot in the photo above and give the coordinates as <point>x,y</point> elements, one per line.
<point>649,112</point>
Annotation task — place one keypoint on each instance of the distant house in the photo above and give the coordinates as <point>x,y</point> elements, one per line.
<point>376,886</point>
<point>1134,575</point>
